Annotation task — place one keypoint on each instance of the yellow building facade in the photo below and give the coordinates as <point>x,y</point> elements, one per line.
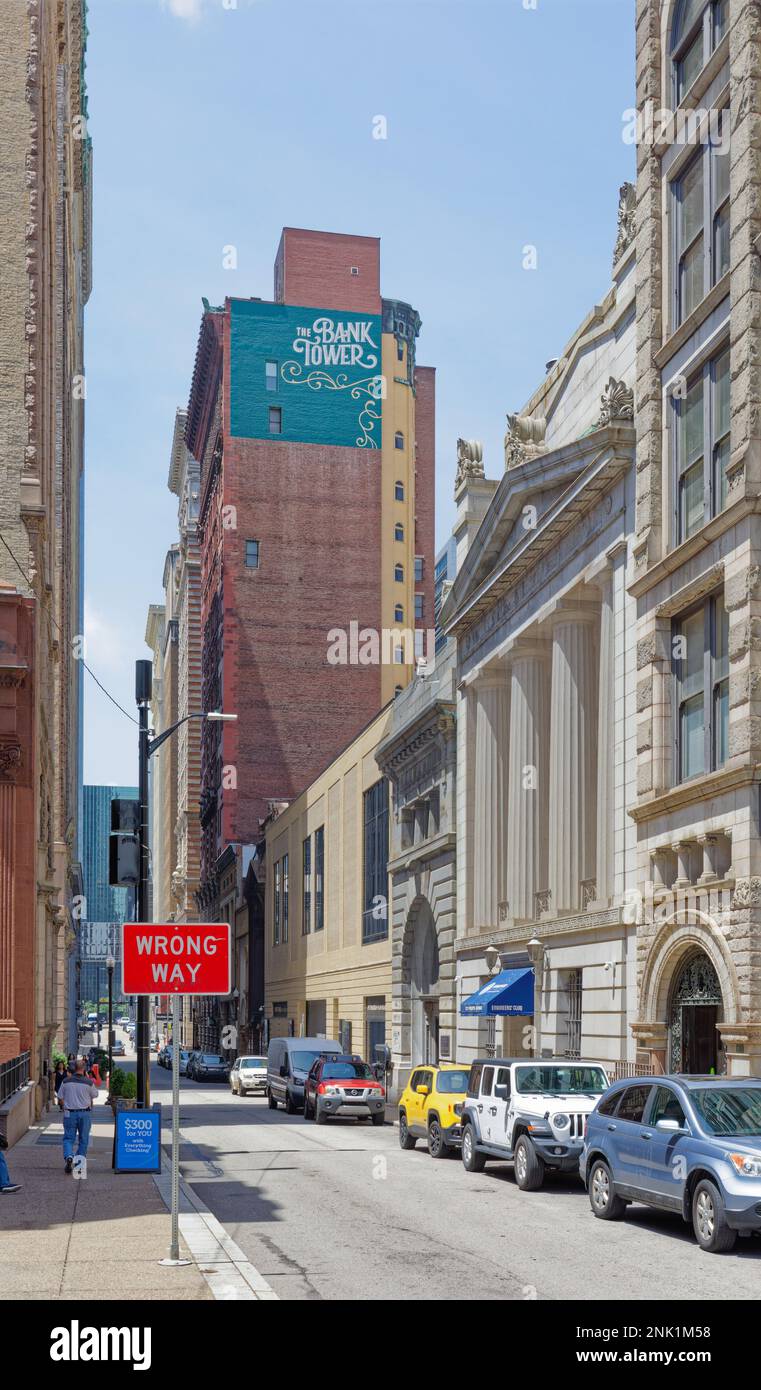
<point>327,939</point>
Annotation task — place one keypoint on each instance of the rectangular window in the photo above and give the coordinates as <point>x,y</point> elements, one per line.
<point>252,555</point>
<point>701,223</point>
<point>276,905</point>
<point>419,568</point>
<point>276,419</point>
<point>702,443</point>
<point>270,375</point>
<point>419,607</point>
<point>375,914</point>
<point>306,897</point>
<point>701,668</point>
<point>319,871</point>
<point>285,898</point>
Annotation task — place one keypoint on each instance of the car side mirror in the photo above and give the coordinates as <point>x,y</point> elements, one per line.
<point>670,1126</point>
<point>422,1090</point>
<point>501,1093</point>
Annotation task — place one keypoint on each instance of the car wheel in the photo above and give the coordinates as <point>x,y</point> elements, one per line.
<point>605,1203</point>
<point>378,1119</point>
<point>406,1140</point>
<point>529,1169</point>
<point>709,1219</point>
<point>437,1147</point>
<point>319,1115</point>
<point>290,1108</point>
<point>473,1161</point>
<point>307,1113</point>
<point>271,1102</point>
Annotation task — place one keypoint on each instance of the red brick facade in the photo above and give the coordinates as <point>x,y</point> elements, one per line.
<point>315,269</point>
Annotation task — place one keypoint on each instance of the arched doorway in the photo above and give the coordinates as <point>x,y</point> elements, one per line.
<point>424,987</point>
<point>695,1009</point>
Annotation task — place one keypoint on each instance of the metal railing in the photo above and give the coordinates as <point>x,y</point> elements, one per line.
<point>13,1075</point>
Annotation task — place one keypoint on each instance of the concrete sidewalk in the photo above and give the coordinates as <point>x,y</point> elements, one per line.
<point>98,1238</point>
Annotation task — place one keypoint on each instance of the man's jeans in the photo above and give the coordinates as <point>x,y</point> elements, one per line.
<point>78,1122</point>
<point>5,1177</point>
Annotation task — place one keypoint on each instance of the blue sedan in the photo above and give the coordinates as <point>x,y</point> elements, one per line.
<point>687,1144</point>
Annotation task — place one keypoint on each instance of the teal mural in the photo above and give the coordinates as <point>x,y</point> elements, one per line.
<point>308,376</point>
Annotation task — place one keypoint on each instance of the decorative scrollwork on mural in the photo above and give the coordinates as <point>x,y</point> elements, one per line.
<point>371,386</point>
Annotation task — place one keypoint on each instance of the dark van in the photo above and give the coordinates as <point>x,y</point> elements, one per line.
<point>288,1063</point>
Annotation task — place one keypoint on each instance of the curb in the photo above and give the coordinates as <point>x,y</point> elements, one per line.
<point>227,1271</point>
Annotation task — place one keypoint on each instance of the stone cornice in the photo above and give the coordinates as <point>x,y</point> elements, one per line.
<point>604,919</point>
<point>679,556</point>
<point>589,466</point>
<point>404,745</point>
<point>714,784</point>
<point>439,844</point>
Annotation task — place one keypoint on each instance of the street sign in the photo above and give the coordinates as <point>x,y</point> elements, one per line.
<point>175,959</point>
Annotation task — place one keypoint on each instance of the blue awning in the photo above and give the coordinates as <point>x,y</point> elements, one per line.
<point>511,992</point>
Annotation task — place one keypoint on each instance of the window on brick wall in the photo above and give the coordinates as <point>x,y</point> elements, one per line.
<point>399,491</point>
<point>275,419</point>
<point>270,375</point>
<point>252,555</point>
<point>419,607</point>
<point>399,531</point>
<point>306,895</point>
<point>398,440</point>
<point>419,569</point>
<point>399,613</point>
<point>276,904</point>
<point>319,878</point>
<point>701,671</point>
<point>399,573</point>
<point>701,446</point>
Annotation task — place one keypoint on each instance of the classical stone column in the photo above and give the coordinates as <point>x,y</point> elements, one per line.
<point>490,793</point>
<point>573,757</point>
<point>528,777</point>
<point>605,720</point>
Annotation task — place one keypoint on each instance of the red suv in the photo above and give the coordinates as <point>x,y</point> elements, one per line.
<point>343,1086</point>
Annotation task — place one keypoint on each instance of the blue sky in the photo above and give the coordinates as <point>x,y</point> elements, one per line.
<point>216,126</point>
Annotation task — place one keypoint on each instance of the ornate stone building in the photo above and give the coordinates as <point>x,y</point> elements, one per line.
<point>45,233</point>
<point>419,757</point>
<point>696,572</point>
<point>545,633</point>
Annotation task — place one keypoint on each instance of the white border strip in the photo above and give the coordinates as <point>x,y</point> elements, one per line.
<point>227,1271</point>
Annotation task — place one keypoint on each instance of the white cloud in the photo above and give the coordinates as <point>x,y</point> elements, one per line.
<point>185,9</point>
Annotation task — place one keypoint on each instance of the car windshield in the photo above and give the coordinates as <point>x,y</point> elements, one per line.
<point>302,1061</point>
<point>449,1083</point>
<point>561,1081</point>
<point>725,1111</point>
<point>346,1071</point>
<point>253,1061</point>
<point>211,1058</point>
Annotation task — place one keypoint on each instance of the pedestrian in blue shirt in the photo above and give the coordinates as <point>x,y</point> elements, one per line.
<point>76,1096</point>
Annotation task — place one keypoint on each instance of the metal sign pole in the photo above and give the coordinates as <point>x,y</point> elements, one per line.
<point>174,1248</point>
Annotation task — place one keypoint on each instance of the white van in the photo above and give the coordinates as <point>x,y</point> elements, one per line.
<point>288,1063</point>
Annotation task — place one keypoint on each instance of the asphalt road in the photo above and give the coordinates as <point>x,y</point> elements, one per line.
<point>340,1212</point>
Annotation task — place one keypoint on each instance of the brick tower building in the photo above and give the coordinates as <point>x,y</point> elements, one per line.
<point>314,430</point>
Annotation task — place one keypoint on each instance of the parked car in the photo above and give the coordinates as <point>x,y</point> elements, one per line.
<point>343,1086</point>
<point>184,1055</point>
<point>529,1113</point>
<point>209,1066</point>
<point>118,1049</point>
<point>430,1108</point>
<point>288,1064</point>
<point>248,1074</point>
<point>687,1144</point>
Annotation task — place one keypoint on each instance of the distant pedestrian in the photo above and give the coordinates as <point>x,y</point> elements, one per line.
<point>60,1077</point>
<point>76,1096</point>
<point>5,1178</point>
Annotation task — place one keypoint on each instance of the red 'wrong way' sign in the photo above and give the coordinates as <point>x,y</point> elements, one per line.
<point>175,959</point>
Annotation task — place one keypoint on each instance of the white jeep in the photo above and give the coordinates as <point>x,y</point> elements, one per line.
<point>530,1113</point>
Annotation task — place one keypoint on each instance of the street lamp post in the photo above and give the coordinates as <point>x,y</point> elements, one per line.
<point>110,963</point>
<point>147,746</point>
<point>536,955</point>
<point>491,956</point>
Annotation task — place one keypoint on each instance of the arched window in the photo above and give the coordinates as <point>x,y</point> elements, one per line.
<point>398,440</point>
<point>399,613</point>
<point>398,532</point>
<point>699,27</point>
<point>399,491</point>
<point>399,574</point>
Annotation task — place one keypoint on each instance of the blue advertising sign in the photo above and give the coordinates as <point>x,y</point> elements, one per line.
<point>310,376</point>
<point>511,993</point>
<point>137,1141</point>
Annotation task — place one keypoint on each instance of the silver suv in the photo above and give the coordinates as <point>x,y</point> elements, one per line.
<point>530,1113</point>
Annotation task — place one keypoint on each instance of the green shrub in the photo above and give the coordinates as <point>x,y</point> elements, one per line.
<point>129,1085</point>
<point>118,1078</point>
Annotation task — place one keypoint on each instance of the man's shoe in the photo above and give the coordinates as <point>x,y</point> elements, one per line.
<point>12,1187</point>
<point>68,1165</point>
